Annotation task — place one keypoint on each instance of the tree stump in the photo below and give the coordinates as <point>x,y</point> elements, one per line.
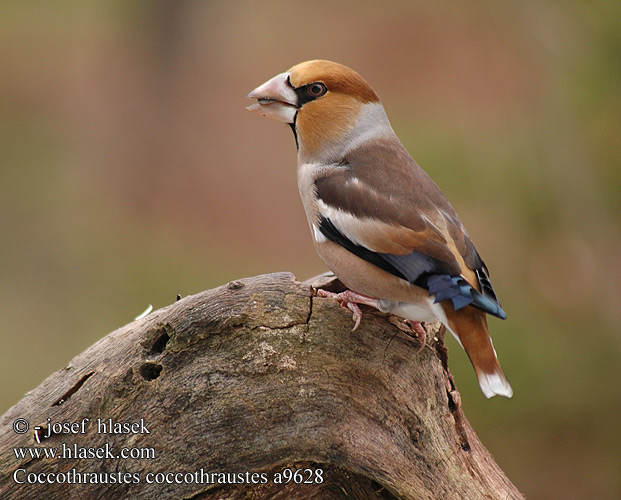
<point>253,390</point>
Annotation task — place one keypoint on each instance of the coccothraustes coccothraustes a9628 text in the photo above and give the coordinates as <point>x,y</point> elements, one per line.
<point>377,219</point>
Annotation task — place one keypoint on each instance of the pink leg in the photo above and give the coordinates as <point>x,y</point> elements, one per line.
<point>350,300</point>
<point>418,331</point>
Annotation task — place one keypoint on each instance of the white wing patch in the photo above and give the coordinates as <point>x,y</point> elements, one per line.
<point>318,235</point>
<point>346,223</point>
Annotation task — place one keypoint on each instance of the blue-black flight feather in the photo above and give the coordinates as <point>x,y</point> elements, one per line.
<point>426,272</point>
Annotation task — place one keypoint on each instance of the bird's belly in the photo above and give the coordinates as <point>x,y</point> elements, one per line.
<point>396,295</point>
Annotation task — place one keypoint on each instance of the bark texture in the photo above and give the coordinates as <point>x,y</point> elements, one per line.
<point>258,377</point>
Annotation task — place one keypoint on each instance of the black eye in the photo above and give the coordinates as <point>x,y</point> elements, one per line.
<point>316,89</point>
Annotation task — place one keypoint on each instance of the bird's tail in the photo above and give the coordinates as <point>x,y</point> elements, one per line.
<point>469,326</point>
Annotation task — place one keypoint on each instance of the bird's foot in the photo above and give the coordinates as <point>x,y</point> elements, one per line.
<point>350,300</point>
<point>418,332</point>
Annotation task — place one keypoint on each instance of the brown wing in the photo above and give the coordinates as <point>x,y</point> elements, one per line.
<point>380,199</point>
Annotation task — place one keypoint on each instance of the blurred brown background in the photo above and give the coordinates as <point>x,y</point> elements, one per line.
<point>130,172</point>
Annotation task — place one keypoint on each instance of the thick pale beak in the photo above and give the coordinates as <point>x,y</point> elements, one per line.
<point>276,99</point>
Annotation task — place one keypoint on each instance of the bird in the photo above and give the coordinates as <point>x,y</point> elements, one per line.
<point>377,220</point>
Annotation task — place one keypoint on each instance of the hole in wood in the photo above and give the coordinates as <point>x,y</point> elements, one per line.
<point>150,371</point>
<point>160,344</point>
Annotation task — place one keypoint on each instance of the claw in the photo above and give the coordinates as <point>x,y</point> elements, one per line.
<point>356,314</point>
<point>350,300</point>
<point>417,331</point>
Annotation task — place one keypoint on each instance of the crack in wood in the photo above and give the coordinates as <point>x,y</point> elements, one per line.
<point>76,387</point>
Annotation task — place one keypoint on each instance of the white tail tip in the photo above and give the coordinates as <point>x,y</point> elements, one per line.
<point>495,384</point>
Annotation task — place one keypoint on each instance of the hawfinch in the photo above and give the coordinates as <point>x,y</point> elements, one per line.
<point>377,219</point>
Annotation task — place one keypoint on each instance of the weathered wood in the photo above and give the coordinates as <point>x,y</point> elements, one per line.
<point>256,376</point>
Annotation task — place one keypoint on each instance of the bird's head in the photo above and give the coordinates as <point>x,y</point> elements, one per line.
<point>327,105</point>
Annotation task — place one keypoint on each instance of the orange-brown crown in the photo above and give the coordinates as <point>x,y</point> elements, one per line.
<point>336,77</point>
<point>325,122</point>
